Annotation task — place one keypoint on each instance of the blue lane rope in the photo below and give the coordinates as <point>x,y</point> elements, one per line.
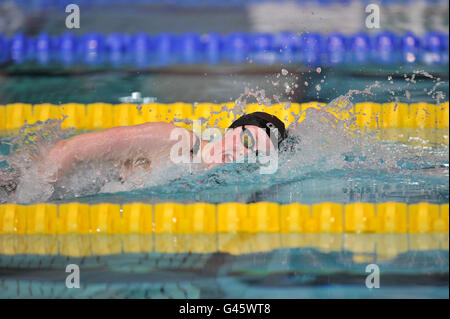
<point>144,50</point>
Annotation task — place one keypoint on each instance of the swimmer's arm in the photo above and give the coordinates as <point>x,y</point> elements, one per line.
<point>111,144</point>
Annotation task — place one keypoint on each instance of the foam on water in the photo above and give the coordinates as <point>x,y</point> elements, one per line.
<point>323,143</point>
<point>21,177</point>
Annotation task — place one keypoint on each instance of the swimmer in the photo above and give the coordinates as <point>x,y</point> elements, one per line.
<point>145,146</point>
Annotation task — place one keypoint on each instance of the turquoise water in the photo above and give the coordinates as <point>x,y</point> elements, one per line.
<point>280,273</point>
<point>326,166</point>
<point>339,186</point>
<point>285,272</point>
<point>336,185</point>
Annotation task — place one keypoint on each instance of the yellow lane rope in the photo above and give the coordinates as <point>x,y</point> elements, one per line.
<point>364,246</point>
<point>102,115</point>
<point>225,218</point>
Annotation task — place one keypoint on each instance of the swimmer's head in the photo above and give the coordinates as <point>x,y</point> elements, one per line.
<point>273,126</point>
<point>257,132</point>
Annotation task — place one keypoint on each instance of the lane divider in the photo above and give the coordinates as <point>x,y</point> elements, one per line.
<point>143,50</point>
<point>204,218</point>
<point>365,247</point>
<point>103,115</point>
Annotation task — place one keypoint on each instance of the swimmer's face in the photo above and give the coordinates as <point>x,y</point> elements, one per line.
<point>239,142</point>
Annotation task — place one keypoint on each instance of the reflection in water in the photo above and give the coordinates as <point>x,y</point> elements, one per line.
<point>224,265</point>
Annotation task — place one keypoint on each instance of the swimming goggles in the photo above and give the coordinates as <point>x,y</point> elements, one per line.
<point>247,138</point>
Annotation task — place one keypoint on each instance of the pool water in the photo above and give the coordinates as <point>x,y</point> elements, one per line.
<point>219,84</point>
<point>300,272</point>
<point>335,185</point>
<point>344,171</point>
<point>316,172</point>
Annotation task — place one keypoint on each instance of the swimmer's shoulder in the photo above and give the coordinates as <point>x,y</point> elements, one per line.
<point>158,130</point>
<point>157,125</point>
<point>149,130</point>
<point>148,127</point>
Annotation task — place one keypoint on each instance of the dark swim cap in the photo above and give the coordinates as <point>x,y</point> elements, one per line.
<point>274,127</point>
